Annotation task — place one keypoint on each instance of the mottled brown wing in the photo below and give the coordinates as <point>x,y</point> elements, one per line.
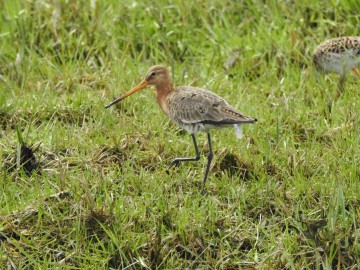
<point>347,44</point>
<point>192,105</point>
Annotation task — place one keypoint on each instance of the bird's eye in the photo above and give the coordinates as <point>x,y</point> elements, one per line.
<point>152,75</point>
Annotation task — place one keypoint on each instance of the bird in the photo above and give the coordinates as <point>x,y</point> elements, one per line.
<point>338,55</point>
<point>192,109</point>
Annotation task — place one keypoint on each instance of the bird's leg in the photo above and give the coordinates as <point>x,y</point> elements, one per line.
<point>177,161</point>
<point>210,156</point>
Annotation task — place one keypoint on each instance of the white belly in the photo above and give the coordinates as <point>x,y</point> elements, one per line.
<point>340,63</point>
<point>193,128</point>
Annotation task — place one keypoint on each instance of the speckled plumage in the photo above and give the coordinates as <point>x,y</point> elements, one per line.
<point>338,55</point>
<point>193,109</point>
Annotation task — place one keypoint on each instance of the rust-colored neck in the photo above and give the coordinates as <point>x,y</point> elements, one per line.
<point>162,90</point>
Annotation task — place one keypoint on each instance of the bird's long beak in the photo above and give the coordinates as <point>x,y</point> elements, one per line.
<point>356,71</point>
<point>140,86</point>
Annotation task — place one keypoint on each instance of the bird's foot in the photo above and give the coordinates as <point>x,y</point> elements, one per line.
<point>175,162</point>
<point>203,192</point>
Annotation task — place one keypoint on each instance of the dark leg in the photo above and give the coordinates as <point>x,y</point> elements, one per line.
<point>210,156</point>
<point>177,161</point>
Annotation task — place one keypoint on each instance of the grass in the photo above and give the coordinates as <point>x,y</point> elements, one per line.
<point>98,193</point>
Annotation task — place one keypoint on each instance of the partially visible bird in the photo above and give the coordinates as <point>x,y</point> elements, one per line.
<point>338,55</point>
<point>193,109</point>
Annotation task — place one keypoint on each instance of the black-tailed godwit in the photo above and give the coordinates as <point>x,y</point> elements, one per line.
<point>193,109</point>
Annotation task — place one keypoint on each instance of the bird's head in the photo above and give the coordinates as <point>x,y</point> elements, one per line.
<point>157,76</point>
<point>318,63</point>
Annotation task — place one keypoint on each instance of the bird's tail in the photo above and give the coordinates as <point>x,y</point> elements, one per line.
<point>238,131</point>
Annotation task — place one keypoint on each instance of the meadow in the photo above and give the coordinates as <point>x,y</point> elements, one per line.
<point>84,187</point>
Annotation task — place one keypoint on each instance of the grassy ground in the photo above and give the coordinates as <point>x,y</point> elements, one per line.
<point>96,192</point>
